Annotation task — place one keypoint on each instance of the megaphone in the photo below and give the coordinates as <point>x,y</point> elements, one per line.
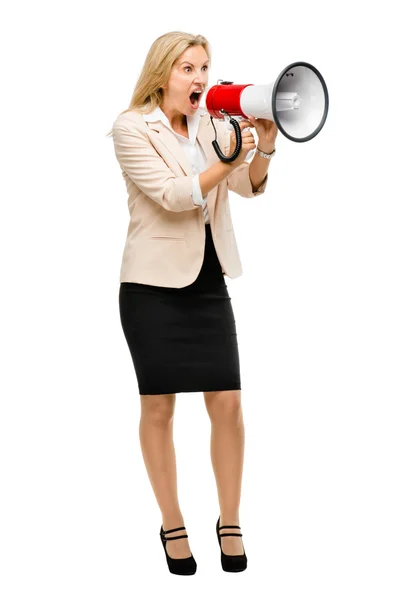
<point>297,102</point>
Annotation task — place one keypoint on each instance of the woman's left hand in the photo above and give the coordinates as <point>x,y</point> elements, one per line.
<point>266,129</point>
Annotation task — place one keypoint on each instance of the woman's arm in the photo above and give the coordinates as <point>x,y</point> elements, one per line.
<point>149,172</point>
<point>214,175</point>
<point>259,166</point>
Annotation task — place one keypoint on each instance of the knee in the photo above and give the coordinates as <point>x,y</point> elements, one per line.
<point>225,406</point>
<point>158,409</point>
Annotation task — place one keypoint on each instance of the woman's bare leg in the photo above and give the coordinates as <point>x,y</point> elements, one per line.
<point>156,440</point>
<point>227,455</point>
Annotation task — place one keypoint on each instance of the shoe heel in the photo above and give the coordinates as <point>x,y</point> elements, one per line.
<point>231,562</point>
<point>178,566</point>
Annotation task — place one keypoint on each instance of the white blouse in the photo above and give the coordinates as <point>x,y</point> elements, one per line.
<point>192,149</point>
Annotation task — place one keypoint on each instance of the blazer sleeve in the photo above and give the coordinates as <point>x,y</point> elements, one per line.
<point>240,183</point>
<point>197,194</point>
<point>144,166</point>
<point>239,180</point>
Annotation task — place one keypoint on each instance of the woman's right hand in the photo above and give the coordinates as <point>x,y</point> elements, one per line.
<point>248,143</point>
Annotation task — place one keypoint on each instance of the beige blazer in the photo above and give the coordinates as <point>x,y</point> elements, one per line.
<point>166,232</point>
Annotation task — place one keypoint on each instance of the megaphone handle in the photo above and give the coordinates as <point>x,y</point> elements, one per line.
<point>239,118</point>
<point>238,147</point>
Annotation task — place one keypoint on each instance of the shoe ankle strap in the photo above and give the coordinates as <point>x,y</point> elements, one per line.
<point>230,527</point>
<point>171,530</point>
<point>225,534</point>
<point>177,537</point>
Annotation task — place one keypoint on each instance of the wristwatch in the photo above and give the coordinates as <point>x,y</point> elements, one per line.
<point>264,154</point>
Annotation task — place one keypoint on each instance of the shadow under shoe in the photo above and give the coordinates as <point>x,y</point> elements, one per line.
<point>231,562</point>
<point>178,566</point>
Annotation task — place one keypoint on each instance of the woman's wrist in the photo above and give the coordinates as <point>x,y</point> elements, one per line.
<point>228,166</point>
<point>265,146</point>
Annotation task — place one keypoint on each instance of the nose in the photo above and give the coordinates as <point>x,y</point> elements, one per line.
<point>201,78</point>
<point>201,81</point>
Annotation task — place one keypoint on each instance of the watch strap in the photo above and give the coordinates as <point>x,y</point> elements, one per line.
<point>264,154</point>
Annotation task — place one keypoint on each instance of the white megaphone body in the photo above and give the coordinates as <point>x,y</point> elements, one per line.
<point>297,102</point>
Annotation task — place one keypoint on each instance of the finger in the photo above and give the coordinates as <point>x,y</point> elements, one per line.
<point>251,120</point>
<point>247,135</point>
<point>245,123</point>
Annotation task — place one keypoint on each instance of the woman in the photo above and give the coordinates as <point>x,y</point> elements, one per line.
<point>175,309</point>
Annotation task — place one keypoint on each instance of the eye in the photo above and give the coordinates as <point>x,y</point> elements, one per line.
<point>204,66</point>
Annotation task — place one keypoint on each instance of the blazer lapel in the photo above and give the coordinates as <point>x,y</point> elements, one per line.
<point>171,148</point>
<point>205,136</point>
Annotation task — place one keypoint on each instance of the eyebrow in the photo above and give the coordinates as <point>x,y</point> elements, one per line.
<point>189,63</point>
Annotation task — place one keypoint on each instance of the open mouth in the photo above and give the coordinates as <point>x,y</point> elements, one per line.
<point>195,99</point>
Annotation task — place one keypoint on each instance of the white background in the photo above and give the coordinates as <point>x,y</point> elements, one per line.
<point>317,314</point>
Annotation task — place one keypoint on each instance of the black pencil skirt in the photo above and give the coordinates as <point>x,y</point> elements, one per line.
<point>182,339</point>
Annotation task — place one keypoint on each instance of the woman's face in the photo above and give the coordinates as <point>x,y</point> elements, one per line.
<point>190,72</point>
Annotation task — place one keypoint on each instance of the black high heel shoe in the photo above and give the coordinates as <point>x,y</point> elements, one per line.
<point>231,562</point>
<point>178,566</point>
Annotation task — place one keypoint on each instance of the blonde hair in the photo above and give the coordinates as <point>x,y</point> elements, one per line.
<point>157,67</point>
